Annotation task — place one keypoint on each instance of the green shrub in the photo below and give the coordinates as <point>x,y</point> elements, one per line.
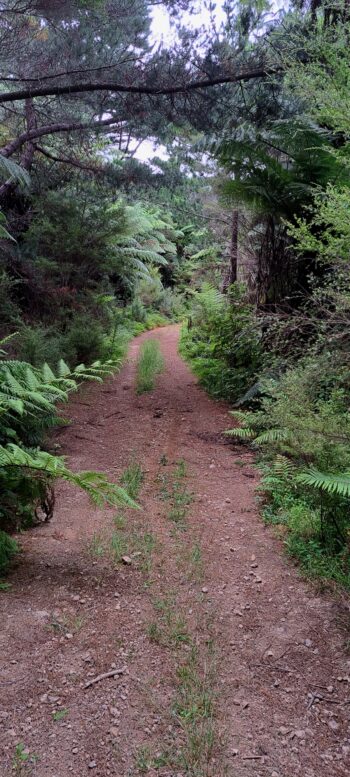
<point>153,296</point>
<point>84,341</point>
<point>9,310</point>
<point>222,343</point>
<point>8,549</point>
<point>137,311</point>
<point>302,433</point>
<point>39,344</point>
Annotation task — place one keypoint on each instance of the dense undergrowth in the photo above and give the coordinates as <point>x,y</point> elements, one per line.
<point>293,410</point>
<point>221,343</point>
<point>278,349</point>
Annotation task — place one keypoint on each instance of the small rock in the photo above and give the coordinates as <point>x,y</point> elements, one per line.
<point>205,589</point>
<point>228,501</point>
<point>69,636</point>
<point>299,734</point>
<point>237,612</point>
<point>308,642</point>
<point>330,688</point>
<point>92,765</point>
<point>333,725</point>
<point>75,750</point>
<point>126,560</point>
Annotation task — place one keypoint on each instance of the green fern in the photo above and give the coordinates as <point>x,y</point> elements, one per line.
<point>239,415</point>
<point>10,169</point>
<point>283,467</point>
<point>28,398</point>
<point>273,435</point>
<point>96,484</point>
<point>329,482</point>
<point>242,432</point>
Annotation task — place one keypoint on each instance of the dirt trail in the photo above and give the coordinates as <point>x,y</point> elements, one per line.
<point>281,675</point>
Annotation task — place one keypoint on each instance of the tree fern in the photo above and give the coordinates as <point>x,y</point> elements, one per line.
<point>276,168</point>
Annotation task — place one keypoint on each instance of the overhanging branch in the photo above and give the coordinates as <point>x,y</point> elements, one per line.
<point>51,129</point>
<point>109,86</point>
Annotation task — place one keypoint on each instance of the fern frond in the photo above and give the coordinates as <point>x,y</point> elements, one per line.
<point>273,435</point>
<point>47,373</point>
<point>283,466</point>
<point>239,415</point>
<point>63,369</point>
<point>323,481</point>
<point>244,433</point>
<point>10,169</point>
<point>99,489</point>
<point>31,380</point>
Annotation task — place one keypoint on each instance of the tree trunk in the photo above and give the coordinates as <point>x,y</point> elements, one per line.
<point>234,247</point>
<point>230,276</point>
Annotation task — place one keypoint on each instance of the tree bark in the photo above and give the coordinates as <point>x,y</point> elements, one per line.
<point>27,157</point>
<point>234,247</point>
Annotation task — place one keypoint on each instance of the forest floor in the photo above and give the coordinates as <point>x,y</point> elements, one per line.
<point>228,663</point>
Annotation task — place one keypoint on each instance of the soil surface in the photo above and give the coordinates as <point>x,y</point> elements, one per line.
<point>209,615</point>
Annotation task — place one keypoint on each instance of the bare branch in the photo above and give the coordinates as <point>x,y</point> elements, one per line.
<point>69,161</point>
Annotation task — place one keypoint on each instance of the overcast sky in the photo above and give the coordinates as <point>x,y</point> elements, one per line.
<point>161,26</point>
<point>163,32</point>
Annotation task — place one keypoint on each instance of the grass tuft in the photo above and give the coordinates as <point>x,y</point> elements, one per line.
<point>150,363</point>
<point>132,479</point>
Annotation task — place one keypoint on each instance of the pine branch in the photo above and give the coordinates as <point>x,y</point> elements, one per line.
<point>247,74</point>
<point>51,129</point>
